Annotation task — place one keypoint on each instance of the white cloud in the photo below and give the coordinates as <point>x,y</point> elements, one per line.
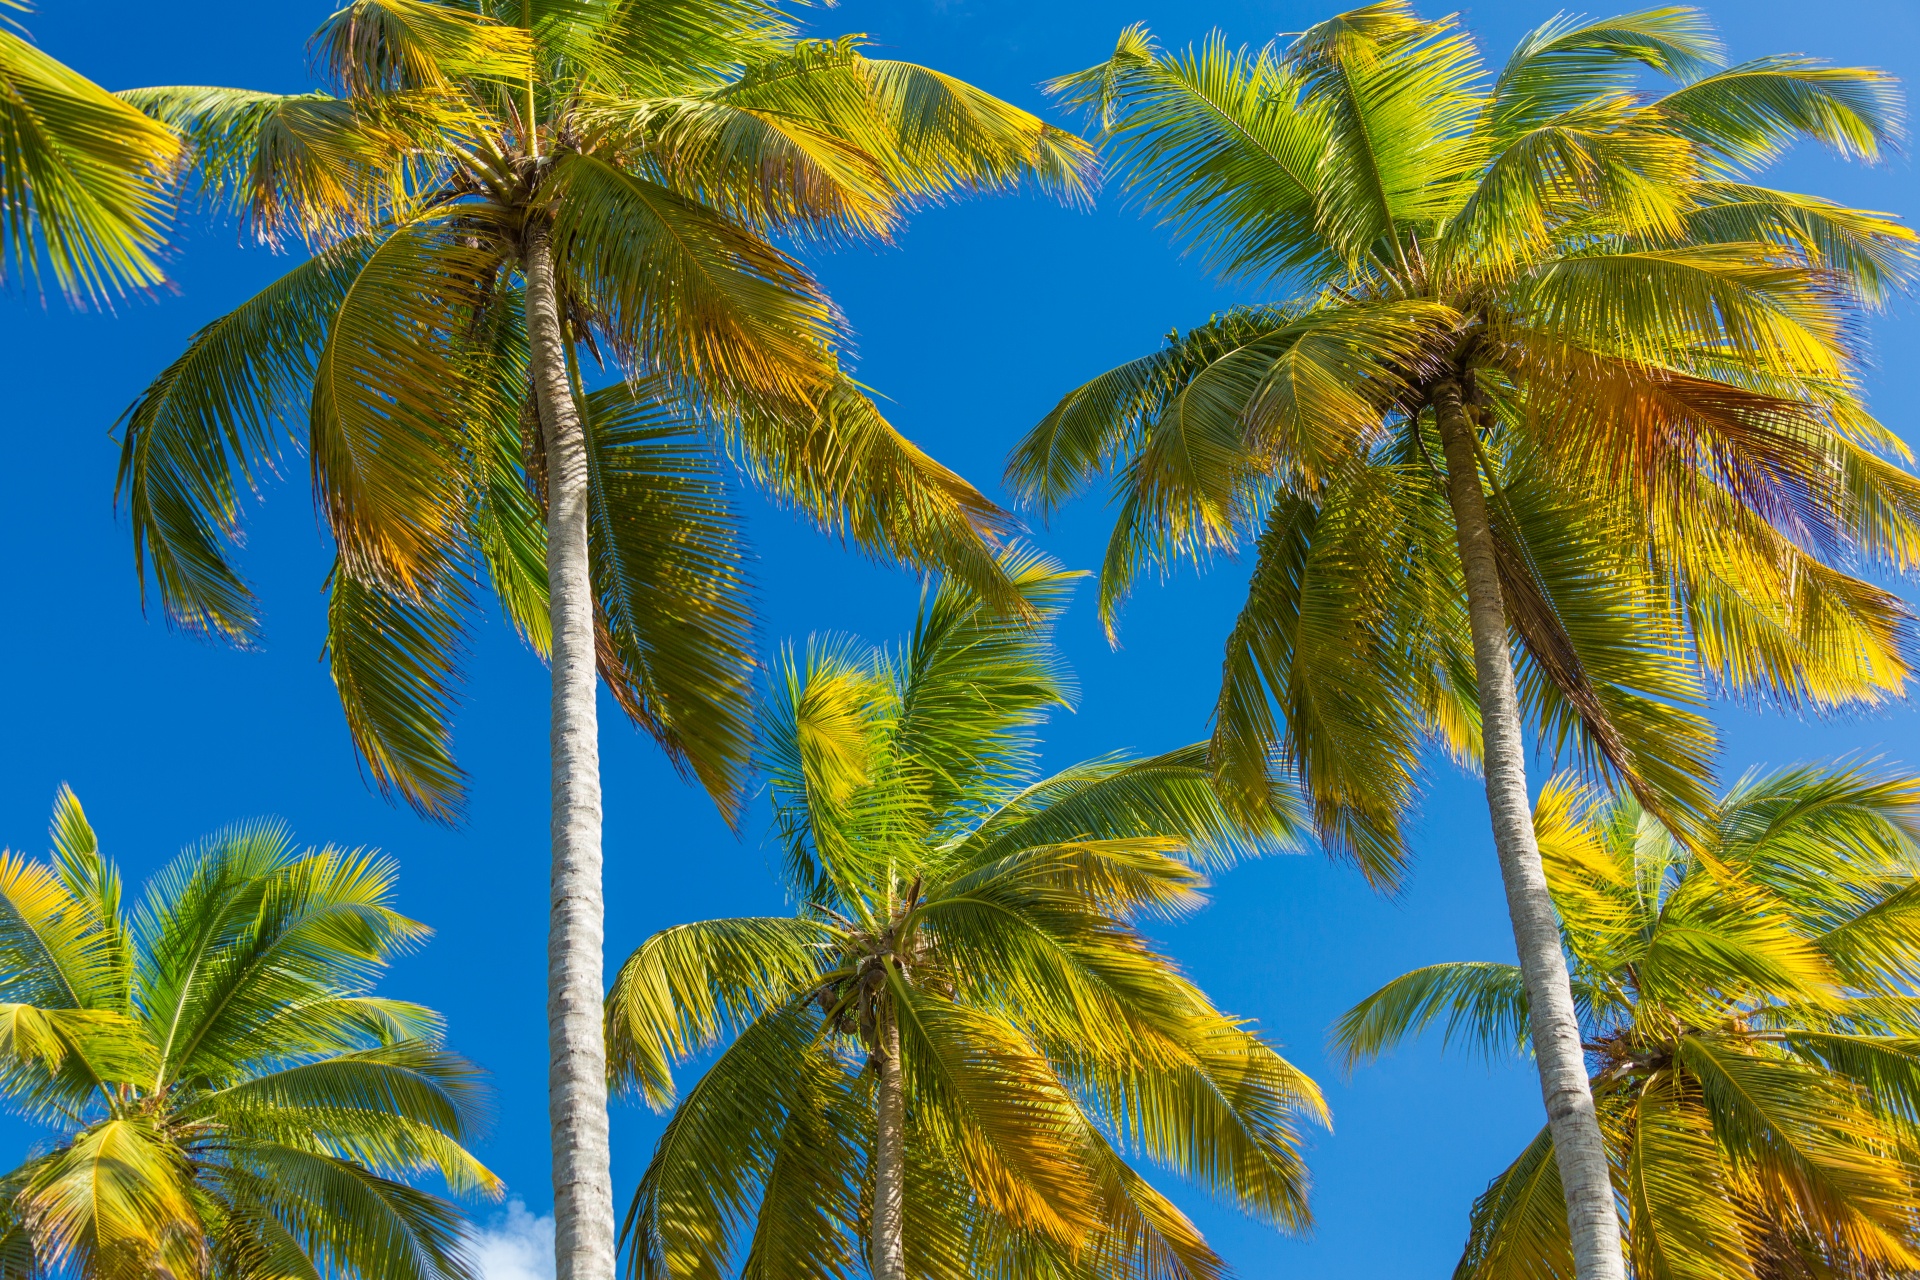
<point>516,1245</point>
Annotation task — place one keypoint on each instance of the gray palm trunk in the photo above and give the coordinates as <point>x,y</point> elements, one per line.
<point>889,1260</point>
<point>1577,1143</point>
<point>577,1055</point>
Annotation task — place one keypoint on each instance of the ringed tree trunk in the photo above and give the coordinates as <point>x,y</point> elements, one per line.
<point>576,1046</point>
<point>889,1260</point>
<point>1578,1146</point>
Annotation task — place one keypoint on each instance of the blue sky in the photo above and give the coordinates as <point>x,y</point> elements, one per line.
<point>973,324</point>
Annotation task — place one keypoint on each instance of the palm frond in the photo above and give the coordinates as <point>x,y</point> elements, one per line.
<point>688,986</point>
<point>117,1201</point>
<point>374,46</point>
<point>395,661</point>
<point>306,166</point>
<point>674,624</point>
<point>721,1144</point>
<point>391,395</point>
<point>81,176</point>
<point>1397,98</point>
<point>1219,142</point>
<point>1519,1223</point>
<point>839,463</point>
<point>1485,1005</point>
<point>1011,1122</point>
<point>972,681</point>
<point>683,291</point>
<point>1568,61</point>
<point>1748,114</point>
<point>207,432</point>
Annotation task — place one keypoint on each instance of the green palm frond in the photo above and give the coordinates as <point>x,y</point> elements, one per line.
<point>721,1142</point>
<point>680,287</point>
<point>351,1217</point>
<point>762,149</point>
<point>644,47</point>
<point>206,432</point>
<point>1169,794</point>
<point>1607,673</point>
<point>1568,61</point>
<point>1872,252</point>
<point>1231,1119</point>
<point>1485,1005</point>
<point>943,137</point>
<point>81,176</point>
<point>843,466</point>
<point>373,45</point>
<point>388,439</point>
<point>395,661</point>
<point>54,957</point>
<point>1687,1224</point>
<point>307,166</point>
<point>117,1200</point>
<point>668,561</point>
<point>1221,145</point>
<point>1005,1112</point>
<point>1397,97</point>
<point>690,985</point>
<point>1748,114</point>
<point>1317,636</point>
<point>823,731</point>
<point>972,681</point>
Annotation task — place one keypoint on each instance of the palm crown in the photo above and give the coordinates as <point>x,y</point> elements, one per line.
<point>230,1097</point>
<point>1749,1016</point>
<point>1654,355</point>
<point>649,152</point>
<point>962,1029</point>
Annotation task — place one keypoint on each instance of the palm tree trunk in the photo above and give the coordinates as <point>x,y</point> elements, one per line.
<point>1577,1143</point>
<point>889,1261</point>
<point>576,1046</point>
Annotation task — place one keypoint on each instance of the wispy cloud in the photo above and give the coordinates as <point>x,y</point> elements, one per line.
<point>516,1245</point>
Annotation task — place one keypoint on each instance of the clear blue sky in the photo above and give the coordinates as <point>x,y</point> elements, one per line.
<point>974,324</point>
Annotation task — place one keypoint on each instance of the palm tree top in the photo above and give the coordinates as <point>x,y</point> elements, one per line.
<point>229,1094</point>
<point>969,938</point>
<point>670,159</point>
<point>1749,1021</point>
<point>895,765</point>
<point>1658,358</point>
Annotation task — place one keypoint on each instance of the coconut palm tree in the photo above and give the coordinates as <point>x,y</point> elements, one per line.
<point>1563,413</point>
<point>501,197</point>
<point>935,1066</point>
<point>1748,1010</point>
<point>80,177</point>
<point>229,1096</point>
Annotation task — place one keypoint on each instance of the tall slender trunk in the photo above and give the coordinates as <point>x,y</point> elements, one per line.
<point>889,1260</point>
<point>577,1055</point>
<point>1577,1142</point>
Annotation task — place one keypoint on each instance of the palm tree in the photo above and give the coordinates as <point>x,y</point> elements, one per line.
<point>231,1099</point>
<point>80,177</point>
<point>950,1045</point>
<point>1748,1009</point>
<point>1557,372</point>
<point>501,194</point>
